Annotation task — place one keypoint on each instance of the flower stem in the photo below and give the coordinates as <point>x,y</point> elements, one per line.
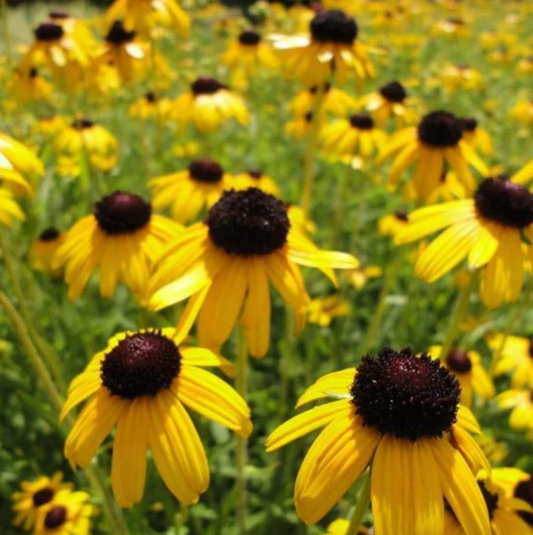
<point>242,453</point>
<point>310,152</point>
<point>459,314</point>
<point>5,30</point>
<point>361,507</point>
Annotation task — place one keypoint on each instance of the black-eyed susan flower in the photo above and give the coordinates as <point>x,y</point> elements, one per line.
<point>436,142</point>
<point>76,29</point>
<point>459,77</point>
<point>300,127</point>
<point>519,485</point>
<point>69,513</point>
<point>48,126</point>
<point>400,415</point>
<point>359,277</point>
<point>515,357</point>
<point>476,136</point>
<point>504,511</point>
<point>254,178</point>
<point>323,310</point>
<point>85,138</point>
<point>335,101</point>
<point>245,244</point>
<point>331,50</point>
<point>141,383</point>
<point>488,229</point>
<point>151,106</point>
<point>33,496</point>
<point>189,191</point>
<point>520,402</point>
<point>122,239</point>
<point>29,86</point>
<point>451,27</point>
<point>525,66</point>
<point>522,112</point>
<point>393,224</point>
<point>469,371</point>
<point>208,105</point>
<point>390,101</point>
<point>357,137</point>
<point>44,248</point>
<point>246,54</point>
<point>142,16</point>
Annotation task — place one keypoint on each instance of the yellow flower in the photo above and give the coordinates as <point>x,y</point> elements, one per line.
<point>521,403</point>
<point>299,127</point>
<point>189,191</point>
<point>359,277</point>
<point>208,105</point>
<point>186,150</point>
<point>331,50</point>
<point>44,248</point>
<point>49,125</point>
<point>436,141</point>
<point>335,101</point>
<point>400,415</point>
<point>245,244</point>
<point>517,484</point>
<point>122,239</point>
<point>33,496</point>
<point>245,55</point>
<point>150,106</point>
<point>322,310</point>
<point>140,383</point>
<point>476,136</point>
<point>516,357</point>
<point>460,77</point>
<point>393,224</point>
<point>144,15</point>
<point>254,179</point>
<point>487,229</point>
<point>77,30</point>
<point>469,371</point>
<point>525,66</point>
<point>28,86</point>
<point>391,101</point>
<point>452,27</point>
<point>69,513</point>
<point>522,112</point>
<point>87,138</point>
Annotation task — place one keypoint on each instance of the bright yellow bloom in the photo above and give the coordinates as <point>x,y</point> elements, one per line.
<point>208,105</point>
<point>144,15</point>
<point>299,127</point>
<point>516,357</point>
<point>487,229</point>
<point>49,125</point>
<point>452,27</point>
<point>400,415</point>
<point>77,30</point>
<point>140,383</point>
<point>476,136</point>
<point>323,309</point>
<point>254,179</point>
<point>522,112</point>
<point>29,86</point>
<point>245,244</point>
<point>33,496</point>
<point>521,404</point>
<point>359,277</point>
<point>331,50</point>
<point>121,239</point>
<point>68,514</point>
<point>191,190</point>
<point>436,141</point>
<point>469,371</point>
<point>44,248</point>
<point>525,66</point>
<point>150,106</point>
<point>517,484</point>
<point>455,78</point>
<point>335,101</point>
<point>393,224</point>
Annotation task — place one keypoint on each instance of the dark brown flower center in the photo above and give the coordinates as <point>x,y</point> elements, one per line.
<point>81,124</point>
<point>393,92</point>
<point>150,97</point>
<point>56,517</point>
<point>499,200</point>
<point>49,234</point>
<point>458,361</point>
<point>248,222</point>
<point>249,37</point>
<point>402,216</point>
<point>118,35</point>
<point>440,129</point>
<point>43,496</point>
<point>362,122</point>
<point>141,365</point>
<point>33,73</point>
<point>404,395</point>
<point>58,15</point>
<point>326,87</point>
<point>334,26</point>
<point>491,499</point>
<point>255,173</point>
<point>122,213</point>
<point>468,124</point>
<point>204,85</point>
<point>524,491</point>
<point>207,171</point>
<point>48,31</point>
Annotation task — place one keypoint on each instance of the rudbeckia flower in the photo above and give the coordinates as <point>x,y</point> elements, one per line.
<point>299,127</point>
<point>331,50</point>
<point>488,229</point>
<point>245,55</point>
<point>150,106</point>
<point>245,244</point>
<point>525,66</point>
<point>44,248</point>
<point>515,357</point>
<point>335,101</point>
<point>521,404</point>
<point>476,136</point>
<point>122,239</point>
<point>393,224</point>
<point>189,191</point>
<point>29,86</point>
<point>519,485</point>
<point>85,137</point>
<point>33,496</point>
<point>359,277</point>
<point>208,105</point>
<point>144,15</point>
<point>75,29</point>
<point>460,77</point>
<point>357,136</point>
<point>435,142</point>
<point>522,112</point>
<point>451,27</point>
<point>398,414</point>
<point>469,371</point>
<point>254,179</point>
<point>323,309</point>
<point>504,511</point>
<point>391,101</point>
<point>48,126</point>
<point>140,383</point>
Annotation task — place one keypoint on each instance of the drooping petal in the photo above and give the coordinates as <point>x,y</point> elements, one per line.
<point>330,384</point>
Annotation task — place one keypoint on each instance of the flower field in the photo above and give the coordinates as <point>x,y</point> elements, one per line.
<point>266,268</point>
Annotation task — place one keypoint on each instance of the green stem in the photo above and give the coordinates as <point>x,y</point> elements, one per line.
<point>340,205</point>
<point>361,507</point>
<point>5,30</point>
<point>242,453</point>
<point>459,314</point>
